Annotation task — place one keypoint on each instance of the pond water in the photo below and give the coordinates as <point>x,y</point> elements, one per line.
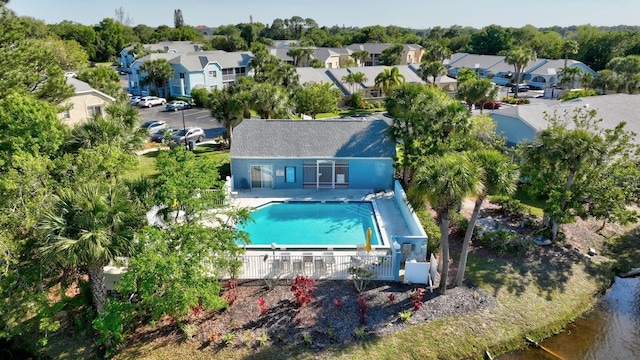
<point>611,331</point>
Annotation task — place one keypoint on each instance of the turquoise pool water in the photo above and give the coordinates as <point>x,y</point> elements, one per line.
<point>310,223</point>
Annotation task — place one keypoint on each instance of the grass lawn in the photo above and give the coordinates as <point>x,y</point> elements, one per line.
<point>534,205</point>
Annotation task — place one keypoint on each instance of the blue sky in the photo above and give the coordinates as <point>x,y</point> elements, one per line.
<point>414,14</point>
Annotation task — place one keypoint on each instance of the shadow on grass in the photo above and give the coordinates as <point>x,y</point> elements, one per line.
<point>624,251</point>
<point>548,269</point>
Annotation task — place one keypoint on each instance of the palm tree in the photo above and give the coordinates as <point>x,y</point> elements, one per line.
<point>270,101</point>
<point>606,79</point>
<point>158,72</point>
<point>354,78</point>
<point>433,69</point>
<point>361,56</point>
<point>519,57</point>
<point>568,75</point>
<point>227,108</point>
<point>119,128</point>
<point>498,176</point>
<point>569,47</point>
<point>299,53</point>
<point>444,181</point>
<point>88,227</point>
<point>389,78</point>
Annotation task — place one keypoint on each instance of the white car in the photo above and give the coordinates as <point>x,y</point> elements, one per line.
<point>135,99</point>
<point>70,74</point>
<point>154,126</point>
<point>149,101</point>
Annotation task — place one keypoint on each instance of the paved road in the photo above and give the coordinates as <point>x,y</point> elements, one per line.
<point>192,117</point>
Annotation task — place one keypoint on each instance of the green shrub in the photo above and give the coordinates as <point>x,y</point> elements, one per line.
<point>432,229</point>
<point>574,94</point>
<point>356,101</point>
<point>199,97</point>
<point>510,206</point>
<point>515,101</point>
<point>111,325</point>
<point>505,242</point>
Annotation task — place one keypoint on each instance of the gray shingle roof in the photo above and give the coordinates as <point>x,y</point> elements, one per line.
<point>337,138</point>
<point>195,61</point>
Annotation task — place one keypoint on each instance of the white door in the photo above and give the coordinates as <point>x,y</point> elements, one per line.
<point>261,176</point>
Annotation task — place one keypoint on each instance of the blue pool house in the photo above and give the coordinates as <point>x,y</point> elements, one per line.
<point>313,154</point>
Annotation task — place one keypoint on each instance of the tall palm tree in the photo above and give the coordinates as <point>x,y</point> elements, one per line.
<point>444,181</point>
<point>605,79</point>
<point>389,78</point>
<point>361,56</point>
<point>569,47</point>
<point>228,108</point>
<point>519,57</point>
<point>433,69</point>
<point>89,226</point>
<point>568,75</point>
<point>158,72</point>
<point>498,176</point>
<point>354,78</point>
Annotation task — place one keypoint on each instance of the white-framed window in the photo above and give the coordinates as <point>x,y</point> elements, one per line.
<point>95,110</point>
<point>66,114</point>
<point>213,74</point>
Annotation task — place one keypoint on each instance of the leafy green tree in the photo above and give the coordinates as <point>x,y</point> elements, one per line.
<point>435,51</point>
<point>82,34</point>
<point>110,39</point>
<point>88,227</point>
<point>491,40</point>
<point>157,71</point>
<point>388,79</point>
<point>196,255</point>
<point>444,181</point>
<point>580,169</point>
<point>315,98</point>
<point>426,121</point>
<point>104,79</point>
<point>498,176</point>
<point>28,66</point>
<point>392,56</point>
<point>627,68</point>
<point>38,131</point>
<point>188,185</point>
<point>477,91</point>
<point>519,57</point>
<point>433,69</point>
<point>68,53</point>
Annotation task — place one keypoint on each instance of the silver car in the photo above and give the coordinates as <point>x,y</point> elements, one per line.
<point>190,133</point>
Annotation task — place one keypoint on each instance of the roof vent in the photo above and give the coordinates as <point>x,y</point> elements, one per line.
<point>586,106</point>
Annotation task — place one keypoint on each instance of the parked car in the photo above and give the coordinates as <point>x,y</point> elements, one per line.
<point>154,126</point>
<point>164,135</point>
<point>521,88</point>
<point>176,105</point>
<point>70,74</point>
<point>135,100</point>
<point>149,101</point>
<point>493,105</point>
<point>190,133</point>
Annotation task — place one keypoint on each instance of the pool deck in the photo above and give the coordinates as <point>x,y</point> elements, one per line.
<point>391,220</point>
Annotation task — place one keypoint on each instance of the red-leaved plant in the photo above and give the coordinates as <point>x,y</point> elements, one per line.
<point>302,289</point>
<point>392,298</point>
<point>231,294</point>
<point>262,305</point>
<point>416,298</point>
<point>362,309</point>
<point>337,303</point>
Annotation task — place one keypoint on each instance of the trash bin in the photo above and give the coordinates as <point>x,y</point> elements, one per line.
<point>192,145</point>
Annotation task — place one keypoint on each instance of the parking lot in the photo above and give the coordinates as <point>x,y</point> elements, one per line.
<point>198,117</point>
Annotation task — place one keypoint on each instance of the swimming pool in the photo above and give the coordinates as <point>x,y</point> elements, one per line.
<point>313,224</point>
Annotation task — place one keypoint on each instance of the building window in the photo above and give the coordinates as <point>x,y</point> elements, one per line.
<point>66,114</point>
<point>213,74</point>
<point>95,110</point>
